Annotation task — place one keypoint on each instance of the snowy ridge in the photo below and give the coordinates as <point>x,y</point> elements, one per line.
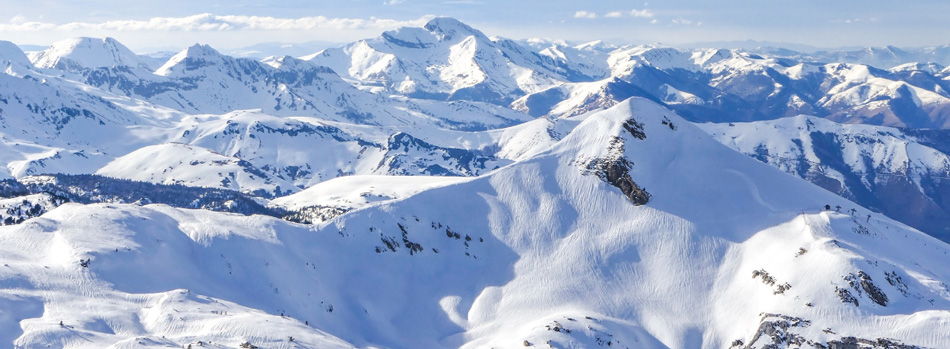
<point>884,169</point>
<point>173,163</point>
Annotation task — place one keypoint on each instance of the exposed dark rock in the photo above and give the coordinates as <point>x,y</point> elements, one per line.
<point>314,214</point>
<point>615,169</point>
<point>896,281</point>
<point>412,246</point>
<point>862,283</point>
<point>845,296</point>
<point>635,128</point>
<point>860,343</point>
<point>778,331</point>
<point>874,292</point>
<point>774,331</point>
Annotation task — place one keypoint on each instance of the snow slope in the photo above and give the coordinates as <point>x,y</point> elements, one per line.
<point>704,247</point>
<point>173,163</point>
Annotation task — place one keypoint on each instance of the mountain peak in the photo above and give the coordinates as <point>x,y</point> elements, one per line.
<point>191,58</point>
<point>199,50</point>
<point>85,52</point>
<point>12,53</point>
<point>448,28</point>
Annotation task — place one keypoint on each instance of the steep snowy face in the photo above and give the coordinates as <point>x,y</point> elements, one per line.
<point>83,53</point>
<point>521,255</point>
<point>898,173</point>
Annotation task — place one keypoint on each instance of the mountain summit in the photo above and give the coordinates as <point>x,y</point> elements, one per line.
<point>80,53</point>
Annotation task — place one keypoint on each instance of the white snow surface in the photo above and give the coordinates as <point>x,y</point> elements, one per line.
<point>175,163</point>
<point>534,252</point>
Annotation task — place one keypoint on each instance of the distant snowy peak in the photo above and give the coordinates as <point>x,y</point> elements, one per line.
<point>82,53</point>
<point>448,29</point>
<point>191,58</point>
<point>449,60</point>
<point>579,98</point>
<point>436,31</point>
<point>926,67</point>
<point>11,53</point>
<point>288,63</point>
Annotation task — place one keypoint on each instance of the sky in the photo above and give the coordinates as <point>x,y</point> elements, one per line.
<point>174,24</point>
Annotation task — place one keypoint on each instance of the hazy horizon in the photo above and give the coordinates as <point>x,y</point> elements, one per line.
<point>242,23</point>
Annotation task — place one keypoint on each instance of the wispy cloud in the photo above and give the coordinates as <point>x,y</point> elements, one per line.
<point>210,22</point>
<point>393,2</point>
<point>635,13</point>
<point>644,13</point>
<point>585,14</point>
<point>684,21</point>
<point>854,20</point>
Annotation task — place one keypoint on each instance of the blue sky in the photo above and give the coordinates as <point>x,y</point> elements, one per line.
<point>229,24</point>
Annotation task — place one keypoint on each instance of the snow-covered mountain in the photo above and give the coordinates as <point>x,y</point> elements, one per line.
<point>902,173</point>
<point>733,85</point>
<point>11,54</point>
<point>199,79</point>
<point>522,256</point>
<point>883,57</point>
<point>305,106</point>
<point>83,53</point>
<point>447,59</point>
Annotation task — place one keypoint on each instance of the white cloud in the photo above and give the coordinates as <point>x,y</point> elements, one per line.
<point>210,22</point>
<point>854,20</point>
<point>585,14</point>
<point>393,2</point>
<point>644,13</point>
<point>682,21</point>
